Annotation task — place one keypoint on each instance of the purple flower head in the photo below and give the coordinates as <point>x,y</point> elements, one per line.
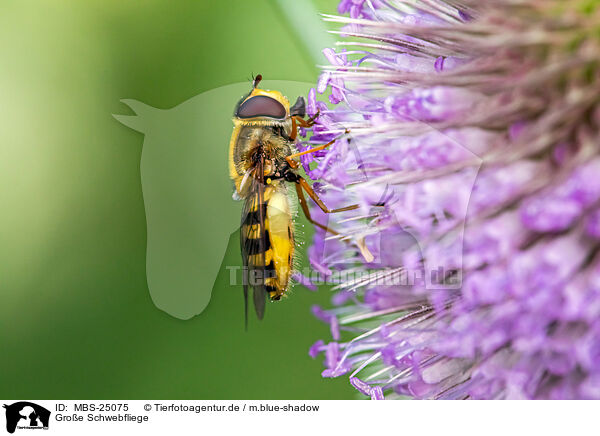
<point>473,156</point>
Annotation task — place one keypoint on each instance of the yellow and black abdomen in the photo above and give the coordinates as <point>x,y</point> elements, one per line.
<point>269,245</point>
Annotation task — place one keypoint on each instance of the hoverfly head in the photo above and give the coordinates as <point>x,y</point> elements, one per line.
<point>262,103</point>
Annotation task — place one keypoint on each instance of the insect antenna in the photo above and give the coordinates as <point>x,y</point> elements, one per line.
<point>257,80</point>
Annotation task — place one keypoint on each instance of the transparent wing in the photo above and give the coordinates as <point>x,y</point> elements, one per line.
<point>254,241</point>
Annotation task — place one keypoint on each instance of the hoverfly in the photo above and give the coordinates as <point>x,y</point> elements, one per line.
<point>261,163</point>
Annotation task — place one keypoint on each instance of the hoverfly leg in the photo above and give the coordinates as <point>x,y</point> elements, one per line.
<point>313,195</point>
<point>295,164</point>
<point>299,121</point>
<point>306,210</point>
<point>312,119</point>
<point>306,123</point>
<point>304,184</point>
<point>301,185</point>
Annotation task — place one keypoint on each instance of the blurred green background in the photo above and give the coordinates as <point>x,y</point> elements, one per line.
<point>76,318</point>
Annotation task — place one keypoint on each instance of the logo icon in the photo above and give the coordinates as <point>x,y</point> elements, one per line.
<point>26,415</point>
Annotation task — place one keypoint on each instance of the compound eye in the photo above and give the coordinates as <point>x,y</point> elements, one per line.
<point>261,106</point>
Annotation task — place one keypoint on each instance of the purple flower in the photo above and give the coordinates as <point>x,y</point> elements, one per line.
<point>474,158</point>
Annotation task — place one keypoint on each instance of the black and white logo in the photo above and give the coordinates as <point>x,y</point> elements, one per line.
<point>26,415</point>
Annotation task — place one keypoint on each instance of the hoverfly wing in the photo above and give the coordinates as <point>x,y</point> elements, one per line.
<point>254,240</point>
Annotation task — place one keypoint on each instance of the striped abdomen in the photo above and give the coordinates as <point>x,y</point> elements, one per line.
<point>277,238</point>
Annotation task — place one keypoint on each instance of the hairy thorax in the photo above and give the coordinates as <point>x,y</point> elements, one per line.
<point>270,140</point>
